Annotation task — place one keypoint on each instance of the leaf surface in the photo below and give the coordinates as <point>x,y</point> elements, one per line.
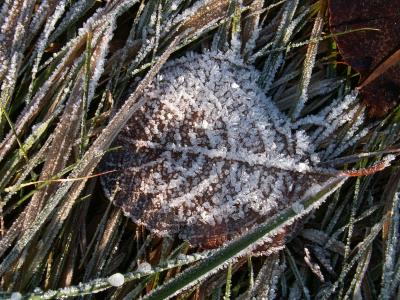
<point>371,51</point>
<point>209,156</point>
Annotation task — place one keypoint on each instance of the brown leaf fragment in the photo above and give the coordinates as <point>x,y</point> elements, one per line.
<point>207,13</point>
<point>371,52</point>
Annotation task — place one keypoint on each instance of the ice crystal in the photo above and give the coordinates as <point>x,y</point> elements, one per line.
<point>144,267</point>
<point>16,296</point>
<point>116,280</point>
<point>209,156</point>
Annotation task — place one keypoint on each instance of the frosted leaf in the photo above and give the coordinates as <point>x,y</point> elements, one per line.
<point>116,280</point>
<point>209,156</point>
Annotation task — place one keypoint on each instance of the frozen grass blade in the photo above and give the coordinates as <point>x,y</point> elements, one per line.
<point>228,284</point>
<point>267,279</point>
<point>299,286</point>
<point>101,284</point>
<point>284,32</point>
<point>390,278</point>
<point>309,60</point>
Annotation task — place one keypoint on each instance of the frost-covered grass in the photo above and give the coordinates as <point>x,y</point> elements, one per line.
<point>73,73</point>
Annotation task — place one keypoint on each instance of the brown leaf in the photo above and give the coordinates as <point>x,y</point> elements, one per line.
<point>371,52</point>
<point>209,157</point>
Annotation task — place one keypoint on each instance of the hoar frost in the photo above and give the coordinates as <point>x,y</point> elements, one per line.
<point>209,156</point>
<point>144,267</point>
<point>16,296</point>
<point>116,280</point>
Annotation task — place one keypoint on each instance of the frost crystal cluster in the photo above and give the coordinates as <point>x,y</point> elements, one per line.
<point>116,280</point>
<point>209,156</point>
